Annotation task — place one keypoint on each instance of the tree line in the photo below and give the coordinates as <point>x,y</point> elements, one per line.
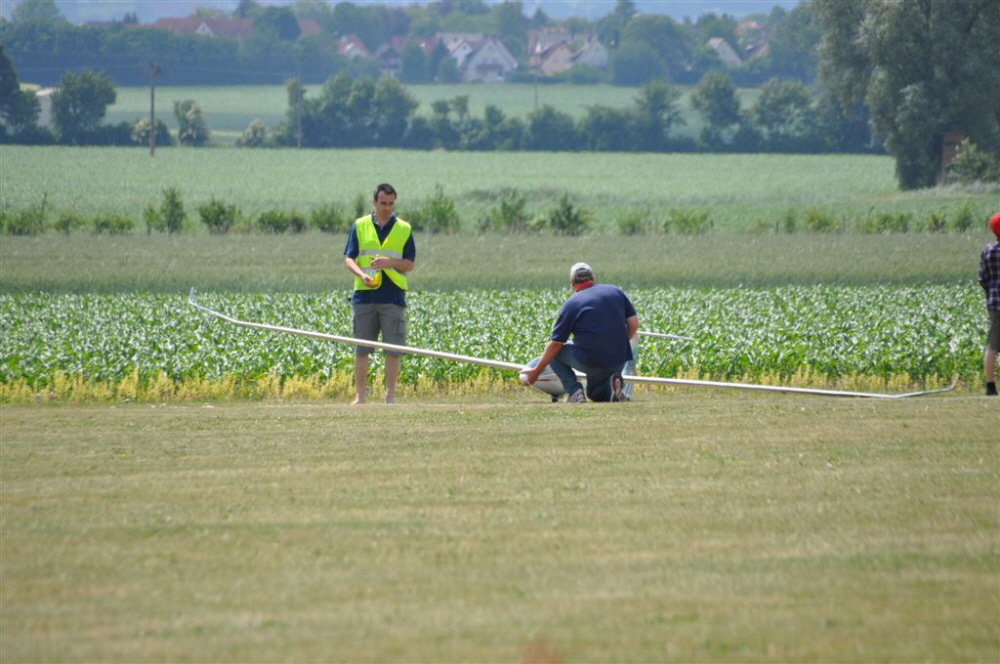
<point>906,77</point>
<point>43,44</point>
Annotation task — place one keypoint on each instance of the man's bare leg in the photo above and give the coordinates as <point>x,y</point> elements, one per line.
<point>391,375</point>
<point>360,378</point>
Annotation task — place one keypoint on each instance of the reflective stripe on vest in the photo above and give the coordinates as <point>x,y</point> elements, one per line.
<point>369,248</point>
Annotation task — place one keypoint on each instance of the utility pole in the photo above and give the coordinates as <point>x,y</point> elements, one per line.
<point>298,101</point>
<point>154,71</point>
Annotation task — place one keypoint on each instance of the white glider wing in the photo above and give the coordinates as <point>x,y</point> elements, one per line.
<point>512,366</point>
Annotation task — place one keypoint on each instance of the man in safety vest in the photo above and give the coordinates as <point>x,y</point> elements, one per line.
<point>379,252</point>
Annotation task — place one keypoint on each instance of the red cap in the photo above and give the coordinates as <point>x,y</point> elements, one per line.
<point>995,224</point>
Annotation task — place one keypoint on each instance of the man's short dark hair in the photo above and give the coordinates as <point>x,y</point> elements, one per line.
<point>384,188</point>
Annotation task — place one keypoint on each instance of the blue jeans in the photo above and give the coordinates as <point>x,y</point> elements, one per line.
<point>598,378</point>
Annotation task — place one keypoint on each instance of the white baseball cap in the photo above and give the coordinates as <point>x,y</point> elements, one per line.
<point>581,269</point>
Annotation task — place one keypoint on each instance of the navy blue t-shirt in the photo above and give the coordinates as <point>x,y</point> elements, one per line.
<point>595,316</point>
<point>388,292</point>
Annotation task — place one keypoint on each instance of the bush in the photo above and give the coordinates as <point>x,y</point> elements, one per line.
<point>936,222</point>
<point>218,217</point>
<point>26,222</point>
<point>280,221</point>
<point>790,221</point>
<point>687,222</point>
<point>254,136</point>
<point>169,216</point>
<point>885,223</point>
<point>511,216</point>
<point>635,222</point>
<point>329,219</point>
<point>140,133</point>
<point>113,225</point>
<point>361,206</point>
<point>964,219</point>
<point>69,222</point>
<point>817,221</point>
<point>568,220</point>
<point>439,213</point>
<point>974,165</point>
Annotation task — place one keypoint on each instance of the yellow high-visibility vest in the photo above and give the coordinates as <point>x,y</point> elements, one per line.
<point>369,248</point>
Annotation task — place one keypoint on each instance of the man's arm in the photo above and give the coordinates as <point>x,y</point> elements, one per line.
<point>352,267</point>
<point>551,350</point>
<point>633,325</point>
<point>398,264</point>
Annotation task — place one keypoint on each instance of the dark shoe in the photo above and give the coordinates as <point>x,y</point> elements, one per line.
<point>991,389</point>
<point>617,388</point>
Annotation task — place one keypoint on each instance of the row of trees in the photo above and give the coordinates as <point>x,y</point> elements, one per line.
<point>362,113</point>
<point>642,47</point>
<point>910,73</point>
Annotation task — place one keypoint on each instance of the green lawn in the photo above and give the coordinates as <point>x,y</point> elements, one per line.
<point>685,526</point>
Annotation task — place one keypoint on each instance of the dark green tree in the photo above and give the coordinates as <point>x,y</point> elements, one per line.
<point>922,69</point>
<point>657,113</point>
<point>783,113</point>
<point>550,129</point>
<point>668,38</point>
<point>635,64</point>
<point>792,47</point>
<point>19,109</point>
<point>278,23</point>
<point>37,11</point>
<point>413,65</point>
<point>80,103</point>
<point>716,102</point>
<point>393,109</point>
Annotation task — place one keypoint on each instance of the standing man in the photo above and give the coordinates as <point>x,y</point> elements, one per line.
<point>989,279</point>
<point>379,252</point>
<point>601,320</point>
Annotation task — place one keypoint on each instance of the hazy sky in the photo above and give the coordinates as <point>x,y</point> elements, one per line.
<point>79,11</point>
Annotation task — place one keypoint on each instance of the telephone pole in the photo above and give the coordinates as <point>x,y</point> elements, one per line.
<point>154,71</point>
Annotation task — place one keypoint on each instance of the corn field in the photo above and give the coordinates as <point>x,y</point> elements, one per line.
<point>817,334</point>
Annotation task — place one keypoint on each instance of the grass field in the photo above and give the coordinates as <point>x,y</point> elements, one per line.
<point>477,522</point>
<point>739,192</point>
<point>683,527</point>
<point>313,262</point>
<point>229,109</point>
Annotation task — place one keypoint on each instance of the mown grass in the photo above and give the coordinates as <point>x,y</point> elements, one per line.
<point>738,192</point>
<point>684,526</point>
<point>313,262</point>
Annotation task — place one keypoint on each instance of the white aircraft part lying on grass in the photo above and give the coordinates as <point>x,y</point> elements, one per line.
<point>548,382</point>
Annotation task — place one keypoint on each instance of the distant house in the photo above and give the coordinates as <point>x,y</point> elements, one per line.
<point>555,59</point>
<point>237,29</point>
<point>555,51</point>
<point>753,39</point>
<point>224,28</point>
<point>593,53</point>
<point>44,96</point>
<point>726,54</point>
<point>489,62</point>
<point>352,47</point>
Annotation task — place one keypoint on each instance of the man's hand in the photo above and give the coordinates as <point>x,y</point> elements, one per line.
<point>530,375</point>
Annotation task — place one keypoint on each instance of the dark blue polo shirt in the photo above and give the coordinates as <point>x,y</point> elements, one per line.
<point>595,316</point>
<point>388,292</point>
